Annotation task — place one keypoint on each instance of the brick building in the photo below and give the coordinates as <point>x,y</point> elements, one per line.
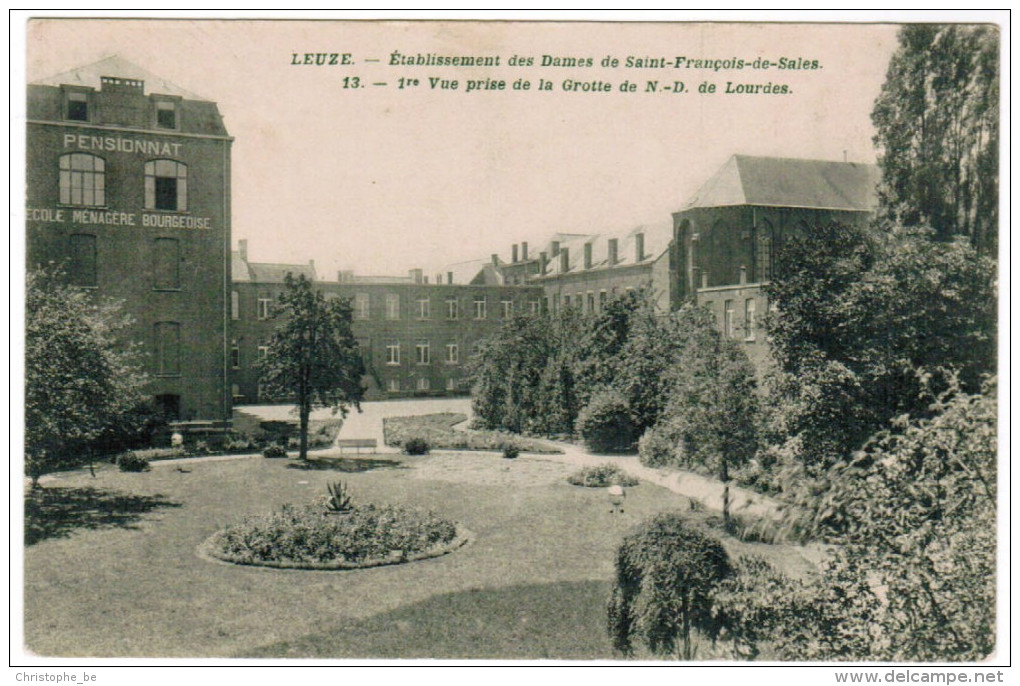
<point>726,237</point>
<point>416,337</point>
<point>129,192</point>
<point>584,270</point>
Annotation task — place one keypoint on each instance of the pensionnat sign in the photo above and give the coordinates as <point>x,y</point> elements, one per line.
<point>119,144</point>
<point>108,218</point>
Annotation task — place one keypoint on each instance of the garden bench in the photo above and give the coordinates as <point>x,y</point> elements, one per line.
<point>357,443</point>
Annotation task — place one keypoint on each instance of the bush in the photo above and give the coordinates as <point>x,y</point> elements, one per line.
<point>657,449</point>
<point>605,424</point>
<point>437,429</point>
<point>416,446</point>
<point>308,536</point>
<point>239,442</point>
<point>132,462</point>
<point>511,451</point>
<point>666,574</point>
<point>274,450</point>
<point>600,476</point>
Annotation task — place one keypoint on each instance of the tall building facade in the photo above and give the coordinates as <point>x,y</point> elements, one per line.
<point>129,194</point>
<point>727,236</point>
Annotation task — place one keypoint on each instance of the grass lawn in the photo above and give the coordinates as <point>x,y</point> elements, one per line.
<point>111,567</point>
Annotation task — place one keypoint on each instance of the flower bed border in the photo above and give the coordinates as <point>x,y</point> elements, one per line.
<point>210,551</point>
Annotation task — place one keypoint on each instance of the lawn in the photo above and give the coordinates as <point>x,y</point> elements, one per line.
<point>111,567</point>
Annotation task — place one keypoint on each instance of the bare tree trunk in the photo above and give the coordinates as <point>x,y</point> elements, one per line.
<point>304,411</point>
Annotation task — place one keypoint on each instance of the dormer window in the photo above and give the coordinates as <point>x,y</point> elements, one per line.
<point>166,115</point>
<point>77,106</point>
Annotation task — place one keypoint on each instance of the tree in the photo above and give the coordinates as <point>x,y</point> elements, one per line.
<point>666,574</point>
<point>80,378</point>
<point>917,506</point>
<point>937,118</point>
<point>709,422</point>
<point>313,356</point>
<point>866,322</point>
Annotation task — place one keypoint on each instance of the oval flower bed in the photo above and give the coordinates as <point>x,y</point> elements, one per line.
<point>306,537</point>
<point>602,475</point>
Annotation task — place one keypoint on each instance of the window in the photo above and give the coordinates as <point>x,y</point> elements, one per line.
<point>728,329</point>
<point>82,180</point>
<point>166,262</point>
<point>235,354</point>
<point>479,307</point>
<point>452,310</point>
<point>451,384</point>
<point>603,298</point>
<point>423,308</point>
<point>263,352</point>
<point>591,303</point>
<point>166,115</point>
<point>82,264</point>
<point>168,348</point>
<point>452,353</point>
<point>393,353</point>
<point>392,306</point>
<point>235,391</point>
<point>423,384</point>
<point>365,350</point>
<point>166,185</point>
<point>749,315</point>
<point>566,302</point>
<point>507,308</point>
<point>265,305</point>
<point>235,305</point>
<point>78,106</point>
<point>535,306</point>
<point>361,306</point>
<point>393,386</point>
<point>421,352</point>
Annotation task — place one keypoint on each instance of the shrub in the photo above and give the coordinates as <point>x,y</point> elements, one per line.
<point>308,536</point>
<point>132,462</point>
<point>237,442</point>
<point>605,425</point>
<point>657,449</point>
<point>339,499</point>
<point>511,451</point>
<point>666,574</point>
<point>416,446</point>
<point>600,476</point>
<point>200,448</point>
<point>274,450</point>
<point>438,430</point>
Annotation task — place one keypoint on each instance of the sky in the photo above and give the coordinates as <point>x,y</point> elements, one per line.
<point>380,179</point>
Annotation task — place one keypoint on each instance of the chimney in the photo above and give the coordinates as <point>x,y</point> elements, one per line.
<point>587,255</point>
<point>242,247</point>
<point>345,276</point>
<point>555,249</point>
<point>449,278</point>
<point>513,253</point>
<point>425,278</point>
<point>565,260</point>
<point>613,252</point>
<point>543,262</point>
<point>743,275</point>
<point>639,247</point>
<point>415,275</point>
<point>439,279</point>
<point>524,251</point>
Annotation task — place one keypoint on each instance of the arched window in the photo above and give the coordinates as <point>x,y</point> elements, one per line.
<point>82,180</point>
<point>166,185</point>
<point>764,250</point>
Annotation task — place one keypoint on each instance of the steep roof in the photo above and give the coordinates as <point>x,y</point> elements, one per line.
<point>787,182</point>
<point>474,272</point>
<point>115,65</point>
